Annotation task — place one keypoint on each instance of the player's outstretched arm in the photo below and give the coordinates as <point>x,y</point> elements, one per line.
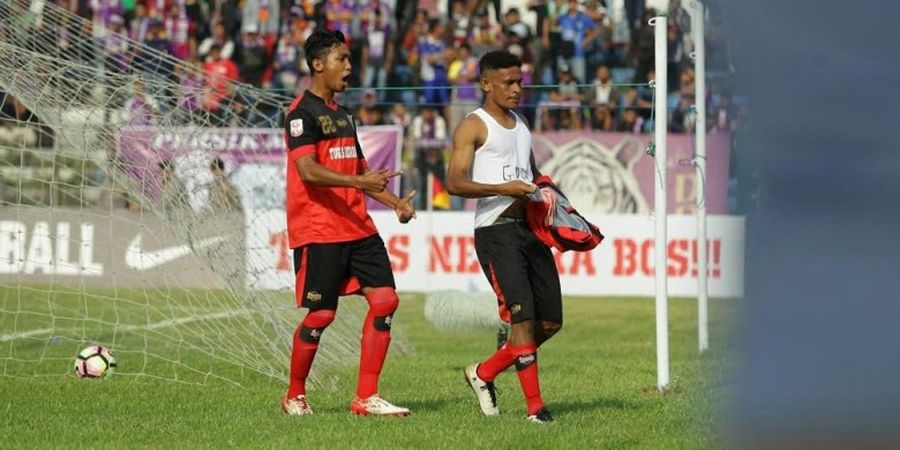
<point>466,138</point>
<point>315,174</point>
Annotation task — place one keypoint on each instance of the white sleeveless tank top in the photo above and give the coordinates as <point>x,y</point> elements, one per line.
<point>504,156</point>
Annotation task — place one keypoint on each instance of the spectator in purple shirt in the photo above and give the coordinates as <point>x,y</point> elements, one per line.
<point>115,46</point>
<point>103,10</point>
<point>141,109</point>
<point>190,80</point>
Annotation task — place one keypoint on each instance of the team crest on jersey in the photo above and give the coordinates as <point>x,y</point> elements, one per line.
<point>313,296</point>
<point>296,127</point>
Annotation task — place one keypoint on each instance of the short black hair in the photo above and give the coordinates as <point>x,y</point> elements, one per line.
<point>320,43</point>
<point>433,23</point>
<point>498,59</point>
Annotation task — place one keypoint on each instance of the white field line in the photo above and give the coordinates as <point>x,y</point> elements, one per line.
<point>153,326</point>
<point>25,334</point>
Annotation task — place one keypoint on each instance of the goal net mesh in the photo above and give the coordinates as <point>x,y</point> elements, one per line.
<point>106,142</point>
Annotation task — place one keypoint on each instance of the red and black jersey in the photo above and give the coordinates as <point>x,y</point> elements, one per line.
<point>318,214</point>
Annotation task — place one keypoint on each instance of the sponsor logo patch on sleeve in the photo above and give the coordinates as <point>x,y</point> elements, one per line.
<point>296,127</point>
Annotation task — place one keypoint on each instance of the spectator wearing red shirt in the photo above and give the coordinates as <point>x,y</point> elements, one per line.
<point>219,74</point>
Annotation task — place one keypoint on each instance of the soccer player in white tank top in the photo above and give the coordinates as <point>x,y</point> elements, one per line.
<point>492,161</point>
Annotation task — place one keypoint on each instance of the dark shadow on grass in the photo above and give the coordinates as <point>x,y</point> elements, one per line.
<point>589,405</point>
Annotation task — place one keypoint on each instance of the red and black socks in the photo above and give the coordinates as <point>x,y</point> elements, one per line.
<point>306,342</point>
<point>376,337</point>
<point>497,363</point>
<point>527,370</point>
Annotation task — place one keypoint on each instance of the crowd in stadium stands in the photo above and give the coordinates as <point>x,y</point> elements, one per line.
<point>594,70</point>
<point>415,67</point>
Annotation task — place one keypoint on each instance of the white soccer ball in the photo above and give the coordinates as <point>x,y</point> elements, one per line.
<point>95,361</point>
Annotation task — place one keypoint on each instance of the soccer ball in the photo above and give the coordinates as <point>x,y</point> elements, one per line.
<point>95,361</point>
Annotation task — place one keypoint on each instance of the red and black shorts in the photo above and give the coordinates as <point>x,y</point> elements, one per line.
<point>326,271</point>
<point>522,271</point>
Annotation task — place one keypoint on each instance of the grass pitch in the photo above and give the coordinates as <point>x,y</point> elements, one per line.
<point>597,376</point>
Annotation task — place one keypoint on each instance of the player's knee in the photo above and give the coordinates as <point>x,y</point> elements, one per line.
<point>550,328</point>
<point>314,324</point>
<point>383,303</point>
<point>522,333</point>
<point>523,326</point>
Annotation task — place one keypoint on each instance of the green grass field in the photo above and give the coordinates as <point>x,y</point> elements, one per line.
<point>597,376</point>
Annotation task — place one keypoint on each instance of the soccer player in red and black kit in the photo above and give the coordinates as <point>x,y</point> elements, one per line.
<point>337,250</point>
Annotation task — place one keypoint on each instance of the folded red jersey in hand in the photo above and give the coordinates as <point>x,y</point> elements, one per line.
<point>556,222</point>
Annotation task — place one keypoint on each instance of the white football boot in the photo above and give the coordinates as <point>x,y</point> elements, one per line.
<point>484,391</point>
<point>376,406</point>
<point>297,406</point>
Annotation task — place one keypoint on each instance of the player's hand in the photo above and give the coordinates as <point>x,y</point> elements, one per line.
<point>376,180</point>
<point>518,188</point>
<point>404,208</point>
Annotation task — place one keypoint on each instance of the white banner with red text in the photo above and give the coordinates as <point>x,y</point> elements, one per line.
<point>437,251</point>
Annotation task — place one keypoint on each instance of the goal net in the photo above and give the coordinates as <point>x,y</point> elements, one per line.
<point>130,183</point>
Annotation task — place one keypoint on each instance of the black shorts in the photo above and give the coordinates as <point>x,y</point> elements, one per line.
<point>522,272</point>
<point>326,271</point>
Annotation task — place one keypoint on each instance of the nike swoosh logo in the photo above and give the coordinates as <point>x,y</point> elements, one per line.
<point>138,259</point>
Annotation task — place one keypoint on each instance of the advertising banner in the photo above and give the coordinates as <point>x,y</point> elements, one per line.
<point>104,249</point>
<point>611,173</point>
<point>433,252</point>
<point>254,160</point>
<point>437,252</point>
